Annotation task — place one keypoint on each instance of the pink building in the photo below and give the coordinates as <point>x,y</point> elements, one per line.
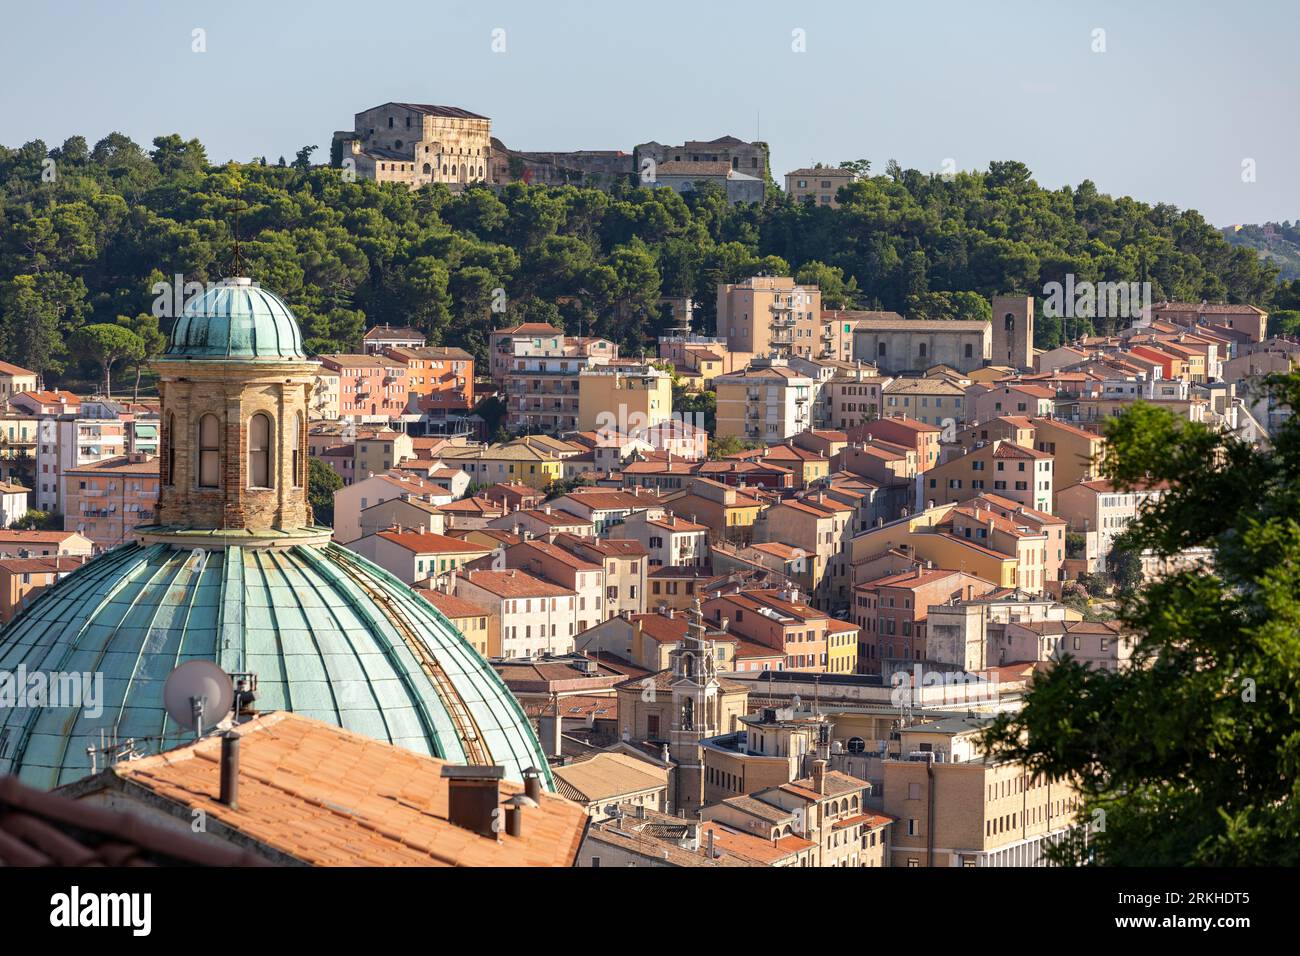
<point>371,387</point>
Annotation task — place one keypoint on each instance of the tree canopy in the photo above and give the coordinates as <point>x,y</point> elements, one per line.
<point>1192,756</point>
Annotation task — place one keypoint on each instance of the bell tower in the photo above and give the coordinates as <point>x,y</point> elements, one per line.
<point>234,383</point>
<point>697,705</point>
<point>1013,331</point>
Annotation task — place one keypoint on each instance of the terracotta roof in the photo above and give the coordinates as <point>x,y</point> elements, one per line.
<point>7,368</point>
<point>606,776</point>
<point>752,847</point>
<point>35,537</point>
<point>514,583</point>
<point>452,606</point>
<point>330,797</point>
<point>48,565</point>
<point>39,828</point>
<point>428,543</point>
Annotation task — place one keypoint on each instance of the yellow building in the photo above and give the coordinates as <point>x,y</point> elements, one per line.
<point>841,648</point>
<point>920,535</point>
<point>624,398</point>
<point>506,463</point>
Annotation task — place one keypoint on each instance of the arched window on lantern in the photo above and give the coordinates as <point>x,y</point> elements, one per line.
<point>298,478</point>
<point>209,451</point>
<point>260,474</point>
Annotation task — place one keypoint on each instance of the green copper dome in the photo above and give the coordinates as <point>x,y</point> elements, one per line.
<point>327,633</point>
<point>236,320</point>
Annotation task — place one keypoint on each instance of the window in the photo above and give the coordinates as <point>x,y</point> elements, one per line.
<point>259,451</point>
<point>171,449</point>
<point>209,451</point>
<point>298,478</point>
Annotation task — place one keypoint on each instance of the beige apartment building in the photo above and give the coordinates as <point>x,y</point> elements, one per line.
<point>325,402</point>
<point>770,315</point>
<point>931,401</point>
<point>627,399</point>
<point>106,500</point>
<point>954,807</point>
<point>1098,506</point>
<point>14,379</point>
<point>818,184</point>
<point>1024,475</point>
<point>767,402</point>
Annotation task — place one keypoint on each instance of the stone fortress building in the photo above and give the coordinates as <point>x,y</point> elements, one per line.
<point>417,144</point>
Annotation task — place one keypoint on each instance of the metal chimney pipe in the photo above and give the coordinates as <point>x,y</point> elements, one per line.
<point>230,769</point>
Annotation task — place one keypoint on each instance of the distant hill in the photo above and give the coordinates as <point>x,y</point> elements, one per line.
<point>1278,242</point>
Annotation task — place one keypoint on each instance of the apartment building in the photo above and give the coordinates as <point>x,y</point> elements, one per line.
<point>780,620</point>
<point>954,807</point>
<point>440,380</point>
<point>930,401</point>
<point>770,315</point>
<point>1098,506</point>
<point>891,612</point>
<point>552,563</point>
<point>537,616</point>
<point>380,338</point>
<point>818,184</point>
<point>854,397</point>
<point>106,500</point>
<point>624,397</point>
<point>372,388</point>
<point>1023,475</point>
<point>23,579</point>
<point>13,380</point>
<point>477,624</point>
<point>626,566</point>
<point>767,402</point>
<point>413,556</point>
<point>820,526</point>
<point>669,539</point>
<point>44,544</point>
<point>540,375</point>
<point>985,402</point>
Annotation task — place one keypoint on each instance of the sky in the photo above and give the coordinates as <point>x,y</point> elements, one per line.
<point>1189,102</point>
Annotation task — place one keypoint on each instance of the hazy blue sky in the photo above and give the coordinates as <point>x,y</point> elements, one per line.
<point>1184,92</point>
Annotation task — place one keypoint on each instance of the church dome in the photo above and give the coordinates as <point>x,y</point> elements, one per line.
<point>236,320</point>
<point>327,633</point>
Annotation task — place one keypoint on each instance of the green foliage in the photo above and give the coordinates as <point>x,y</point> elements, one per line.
<point>35,520</point>
<point>1192,756</point>
<point>107,344</point>
<point>730,445</point>
<point>345,255</point>
<point>322,482</point>
<point>1284,322</point>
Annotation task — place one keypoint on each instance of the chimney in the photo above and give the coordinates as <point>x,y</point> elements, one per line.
<point>533,783</point>
<point>473,795</point>
<point>515,813</point>
<point>230,769</point>
<point>819,775</point>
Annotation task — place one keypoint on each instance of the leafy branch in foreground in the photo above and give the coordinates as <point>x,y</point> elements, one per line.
<point>1192,754</point>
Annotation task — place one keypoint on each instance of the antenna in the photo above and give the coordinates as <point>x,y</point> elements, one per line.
<point>198,690</point>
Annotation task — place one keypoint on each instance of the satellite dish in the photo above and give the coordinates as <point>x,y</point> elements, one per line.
<point>198,693</point>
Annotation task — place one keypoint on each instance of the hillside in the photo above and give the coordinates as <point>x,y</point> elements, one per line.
<point>86,237</point>
<point>1278,243</point>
